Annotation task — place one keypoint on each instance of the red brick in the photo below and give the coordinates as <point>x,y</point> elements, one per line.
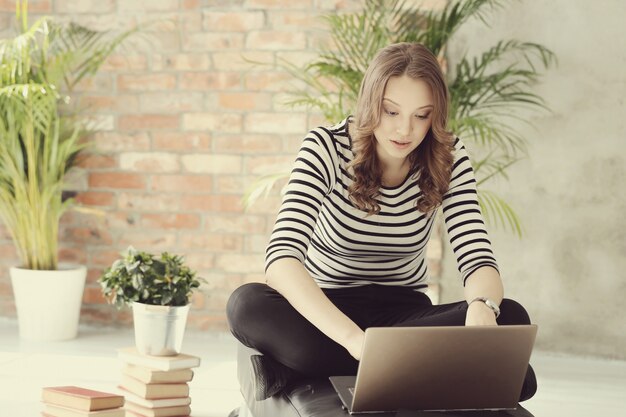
<point>199,260</point>
<point>116,180</point>
<point>150,241</point>
<point>210,81</point>
<point>198,300</point>
<point>90,314</point>
<point>182,183</point>
<point>34,6</point>
<point>117,62</point>
<point>190,4</point>
<point>260,165</point>
<point>148,202</point>
<point>212,163</point>
<point>204,203</point>
<point>96,161</point>
<point>275,40</point>
<point>232,184</point>
<point>150,161</point>
<point>101,82</point>
<point>93,274</point>
<point>147,6</point>
<point>240,263</point>
<point>268,81</point>
<point>146,82</point>
<point>8,251</point>
<point>170,221</point>
<point>102,257</point>
<point>213,122</point>
<point>107,104</point>
<point>205,41</point>
<point>245,101</point>
<point>275,123</point>
<point>295,20</point>
<point>170,102</point>
<point>93,295</point>
<point>247,143</point>
<point>243,224</point>
<point>239,21</point>
<point>73,255</point>
<point>255,243</point>
<point>181,141</point>
<point>95,198</point>
<point>115,141</point>
<point>240,60</point>
<point>83,6</point>
<point>148,121</point>
<point>181,62</point>
<point>280,4</point>
<point>212,242</point>
<point>87,235</point>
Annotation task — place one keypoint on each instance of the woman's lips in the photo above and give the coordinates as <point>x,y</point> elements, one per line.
<point>400,144</point>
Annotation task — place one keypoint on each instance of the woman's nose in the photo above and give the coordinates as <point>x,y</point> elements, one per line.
<point>403,127</point>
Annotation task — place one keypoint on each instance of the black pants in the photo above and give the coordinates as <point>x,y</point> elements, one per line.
<point>263,319</point>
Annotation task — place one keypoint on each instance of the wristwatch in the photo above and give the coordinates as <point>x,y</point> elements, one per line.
<point>493,306</point>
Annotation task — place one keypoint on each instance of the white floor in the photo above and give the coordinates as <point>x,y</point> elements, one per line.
<point>568,386</point>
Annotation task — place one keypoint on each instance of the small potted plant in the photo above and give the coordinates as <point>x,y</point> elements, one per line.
<point>159,290</point>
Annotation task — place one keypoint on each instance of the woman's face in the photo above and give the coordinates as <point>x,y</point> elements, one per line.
<point>405,119</point>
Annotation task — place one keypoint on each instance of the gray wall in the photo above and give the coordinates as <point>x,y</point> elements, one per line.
<point>569,269</point>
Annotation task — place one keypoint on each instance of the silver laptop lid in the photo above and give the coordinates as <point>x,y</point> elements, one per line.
<point>443,368</point>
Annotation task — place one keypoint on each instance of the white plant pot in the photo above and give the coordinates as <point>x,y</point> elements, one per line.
<point>159,330</point>
<point>48,302</point>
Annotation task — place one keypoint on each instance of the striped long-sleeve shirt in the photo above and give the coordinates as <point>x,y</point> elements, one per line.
<point>343,246</point>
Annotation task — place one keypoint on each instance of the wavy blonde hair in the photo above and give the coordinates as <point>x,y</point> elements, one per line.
<point>432,159</point>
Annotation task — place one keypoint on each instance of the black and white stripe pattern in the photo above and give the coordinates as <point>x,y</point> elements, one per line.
<point>342,246</point>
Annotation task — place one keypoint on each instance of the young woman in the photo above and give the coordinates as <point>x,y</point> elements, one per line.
<point>348,250</point>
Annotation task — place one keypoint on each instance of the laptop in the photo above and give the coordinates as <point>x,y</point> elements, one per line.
<point>439,369</point>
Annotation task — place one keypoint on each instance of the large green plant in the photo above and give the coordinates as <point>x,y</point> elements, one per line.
<point>487,91</point>
<point>40,134</point>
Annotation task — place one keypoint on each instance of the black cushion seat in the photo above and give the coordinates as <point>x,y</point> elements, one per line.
<point>316,397</point>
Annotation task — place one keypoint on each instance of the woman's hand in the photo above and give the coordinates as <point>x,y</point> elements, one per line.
<point>478,314</point>
<point>355,344</point>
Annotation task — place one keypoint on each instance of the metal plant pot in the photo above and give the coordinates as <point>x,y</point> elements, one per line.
<point>159,330</point>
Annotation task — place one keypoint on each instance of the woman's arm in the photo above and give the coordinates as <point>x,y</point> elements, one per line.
<point>289,277</point>
<point>484,282</point>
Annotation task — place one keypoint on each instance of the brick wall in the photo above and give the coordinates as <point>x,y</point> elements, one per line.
<point>185,125</point>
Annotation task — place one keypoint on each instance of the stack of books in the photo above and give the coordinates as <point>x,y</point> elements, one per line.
<point>71,401</point>
<point>156,386</point>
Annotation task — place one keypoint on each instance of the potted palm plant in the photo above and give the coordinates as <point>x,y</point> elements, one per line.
<point>159,290</point>
<point>40,139</point>
<point>488,91</point>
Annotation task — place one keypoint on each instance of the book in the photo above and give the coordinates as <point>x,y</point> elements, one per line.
<point>52,410</point>
<point>149,375</point>
<point>131,356</point>
<point>154,391</point>
<point>135,410</point>
<point>156,403</point>
<point>81,398</point>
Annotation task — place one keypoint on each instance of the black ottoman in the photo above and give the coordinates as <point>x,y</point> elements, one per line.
<point>316,397</point>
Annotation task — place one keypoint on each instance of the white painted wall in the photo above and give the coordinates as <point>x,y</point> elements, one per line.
<point>569,270</point>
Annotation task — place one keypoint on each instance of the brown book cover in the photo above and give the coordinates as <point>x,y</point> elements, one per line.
<point>149,375</point>
<point>154,391</point>
<point>131,356</point>
<point>135,410</point>
<point>81,398</point>
<point>58,411</point>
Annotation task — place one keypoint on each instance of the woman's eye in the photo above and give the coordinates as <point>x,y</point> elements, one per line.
<point>390,113</point>
<point>423,116</point>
